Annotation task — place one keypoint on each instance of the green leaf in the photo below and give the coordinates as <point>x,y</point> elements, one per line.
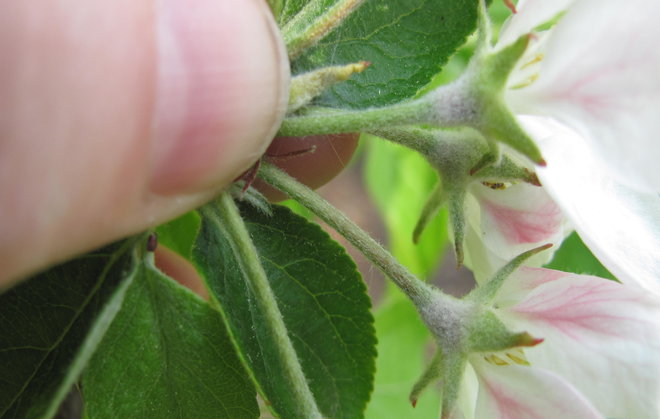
<point>297,208</point>
<point>180,233</point>
<point>167,354</point>
<point>45,321</point>
<point>323,302</point>
<point>575,256</point>
<point>292,7</point>
<point>399,181</point>
<point>406,41</point>
<point>404,350</point>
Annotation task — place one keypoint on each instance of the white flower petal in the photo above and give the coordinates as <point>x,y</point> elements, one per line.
<point>601,336</point>
<point>620,225</point>
<point>467,395</point>
<point>601,76</point>
<point>520,392</point>
<point>506,223</point>
<point>531,13</point>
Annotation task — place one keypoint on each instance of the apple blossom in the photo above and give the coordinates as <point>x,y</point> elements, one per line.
<point>588,93</point>
<point>595,350</point>
<point>540,343</point>
<point>499,210</point>
<point>581,98</point>
<point>504,223</point>
<point>601,351</point>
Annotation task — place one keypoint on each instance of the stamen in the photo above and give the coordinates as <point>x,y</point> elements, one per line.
<point>509,4</point>
<point>517,356</point>
<point>514,355</point>
<point>537,59</point>
<point>531,79</point>
<point>496,360</point>
<point>498,186</point>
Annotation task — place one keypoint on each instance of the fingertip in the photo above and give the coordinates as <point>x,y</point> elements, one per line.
<point>221,92</point>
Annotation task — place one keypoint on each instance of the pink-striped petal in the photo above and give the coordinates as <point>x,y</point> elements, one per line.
<point>621,225</point>
<point>506,223</point>
<point>600,76</point>
<point>601,336</point>
<point>522,392</point>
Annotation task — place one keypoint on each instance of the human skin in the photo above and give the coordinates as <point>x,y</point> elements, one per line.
<point>117,116</point>
<point>313,160</point>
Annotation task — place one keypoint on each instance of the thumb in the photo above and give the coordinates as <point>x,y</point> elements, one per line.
<point>116,116</point>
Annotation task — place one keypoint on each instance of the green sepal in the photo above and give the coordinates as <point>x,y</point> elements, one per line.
<point>488,159</point>
<point>466,326</point>
<point>432,372</point>
<point>496,67</point>
<point>488,74</point>
<point>487,333</point>
<point>456,205</point>
<point>487,292</point>
<point>498,123</point>
<point>507,171</point>
<point>449,369</point>
<point>453,153</point>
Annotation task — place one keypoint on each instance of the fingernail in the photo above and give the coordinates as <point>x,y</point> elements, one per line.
<point>221,92</point>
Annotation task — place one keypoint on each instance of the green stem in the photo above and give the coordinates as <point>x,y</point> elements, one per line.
<point>413,287</point>
<point>446,106</point>
<point>418,139</point>
<point>341,121</point>
<point>249,261</point>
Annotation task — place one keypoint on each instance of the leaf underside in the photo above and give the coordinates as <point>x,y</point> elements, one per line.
<point>166,355</point>
<point>44,322</point>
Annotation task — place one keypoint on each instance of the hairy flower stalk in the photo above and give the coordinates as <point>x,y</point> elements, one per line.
<point>475,100</point>
<point>456,155</point>
<point>593,121</point>
<point>460,326</point>
<point>589,327</point>
<point>412,286</point>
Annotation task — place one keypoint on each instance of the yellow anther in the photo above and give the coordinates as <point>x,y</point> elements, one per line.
<point>531,79</point>
<point>514,355</point>
<point>496,360</point>
<point>537,59</point>
<point>517,356</point>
